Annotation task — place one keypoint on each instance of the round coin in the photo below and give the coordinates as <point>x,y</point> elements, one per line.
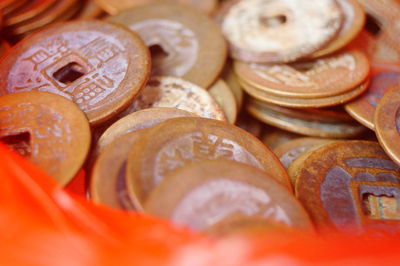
<point>162,91</point>
<point>232,81</point>
<point>29,11</point>
<point>207,192</point>
<point>183,42</point>
<point>46,129</point>
<point>387,123</point>
<point>279,30</point>
<point>324,77</point>
<point>179,141</point>
<point>350,185</point>
<point>98,65</point>
<point>225,98</point>
<point>363,108</point>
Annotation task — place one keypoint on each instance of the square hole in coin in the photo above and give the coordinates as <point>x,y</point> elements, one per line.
<point>372,25</point>
<point>69,73</point>
<point>382,207</point>
<point>19,142</point>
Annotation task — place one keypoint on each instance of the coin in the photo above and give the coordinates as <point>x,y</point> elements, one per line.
<point>289,151</point>
<point>107,184</point>
<point>231,79</point>
<point>274,137</point>
<point>46,129</point>
<point>179,141</point>
<point>354,20</point>
<point>102,71</point>
<point>303,126</point>
<point>324,77</point>
<point>225,98</point>
<point>183,42</point>
<point>208,191</point>
<point>351,185</point>
<point>29,11</point>
<point>280,30</point>
<point>363,108</point>
<point>138,120</point>
<point>90,11</point>
<point>163,91</point>
<point>263,96</point>
<point>387,126</point>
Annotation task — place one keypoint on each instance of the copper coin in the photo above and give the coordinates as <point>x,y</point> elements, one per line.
<point>48,130</point>
<point>107,184</point>
<point>206,192</point>
<point>274,137</point>
<point>382,79</point>
<point>183,42</point>
<point>289,151</point>
<point>115,7</point>
<point>263,96</point>
<point>351,185</point>
<point>303,126</point>
<point>179,141</point>
<point>279,30</point>
<point>225,98</point>
<point>387,123</point>
<point>354,19</point>
<point>325,77</point>
<point>163,91</point>
<point>98,65</point>
<point>231,79</point>
<point>12,7</point>
<point>5,3</point>
<point>90,11</point>
<point>138,120</point>
<point>29,11</point>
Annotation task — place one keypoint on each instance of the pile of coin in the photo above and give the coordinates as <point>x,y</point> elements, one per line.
<point>223,117</point>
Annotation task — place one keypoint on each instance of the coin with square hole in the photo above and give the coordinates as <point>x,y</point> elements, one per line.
<point>98,65</point>
<point>47,129</point>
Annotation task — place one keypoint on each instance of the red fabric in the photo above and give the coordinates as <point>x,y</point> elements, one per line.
<point>41,224</point>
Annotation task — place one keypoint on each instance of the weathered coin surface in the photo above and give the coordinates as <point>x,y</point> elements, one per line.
<point>363,108</point>
<point>183,42</point>
<point>163,91</point>
<point>206,192</point>
<point>46,129</point>
<point>351,185</point>
<point>98,65</point>
<point>179,141</point>
<point>279,30</point>
<point>225,98</point>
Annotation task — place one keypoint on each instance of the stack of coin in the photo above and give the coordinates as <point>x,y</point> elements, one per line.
<point>150,102</point>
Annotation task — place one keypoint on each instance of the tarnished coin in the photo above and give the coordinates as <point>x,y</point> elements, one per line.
<point>387,123</point>
<point>225,98</point>
<point>354,19</point>
<point>351,185</point>
<point>231,79</point>
<point>183,42</point>
<point>115,7</point>
<point>325,77</point>
<point>163,91</point>
<point>363,108</point>
<point>107,185</point>
<point>274,137</point>
<point>289,151</point>
<point>138,120</point>
<point>302,126</point>
<point>46,129</point>
<point>263,96</point>
<point>98,65</point>
<point>29,11</point>
<point>278,30</point>
<point>206,192</point>
<point>179,141</point>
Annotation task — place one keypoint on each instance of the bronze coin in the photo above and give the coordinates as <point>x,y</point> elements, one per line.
<point>138,120</point>
<point>13,6</point>
<point>387,123</point>
<point>274,137</point>
<point>303,126</point>
<point>90,11</point>
<point>46,129</point>
<point>225,98</point>
<point>263,96</point>
<point>267,31</point>
<point>290,151</point>
<point>324,77</point>
<point>108,184</point>
<point>163,91</point>
<point>351,185</point>
<point>354,19</point>
<point>29,11</point>
<point>179,141</point>
<point>363,108</point>
<point>232,80</point>
<point>98,65</point>
<point>206,192</point>
<point>183,42</point>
